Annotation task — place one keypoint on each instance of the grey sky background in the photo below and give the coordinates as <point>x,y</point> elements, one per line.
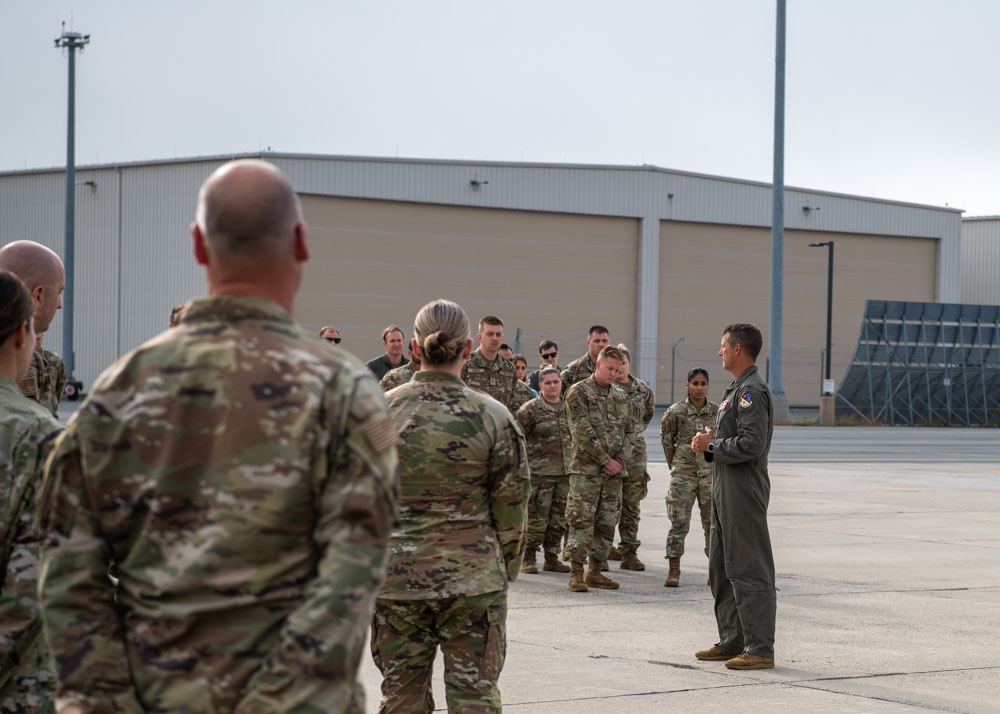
<point>895,99</point>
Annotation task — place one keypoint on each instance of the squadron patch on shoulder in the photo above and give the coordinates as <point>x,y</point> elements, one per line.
<point>746,401</point>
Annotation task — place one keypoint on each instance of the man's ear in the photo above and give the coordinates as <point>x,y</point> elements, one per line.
<point>21,335</point>
<point>301,244</point>
<point>37,294</point>
<point>198,243</point>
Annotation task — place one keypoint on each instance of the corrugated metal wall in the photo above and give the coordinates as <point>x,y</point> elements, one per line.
<point>134,256</point>
<point>981,260</point>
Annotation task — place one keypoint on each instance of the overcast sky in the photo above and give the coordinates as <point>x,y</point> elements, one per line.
<point>895,99</point>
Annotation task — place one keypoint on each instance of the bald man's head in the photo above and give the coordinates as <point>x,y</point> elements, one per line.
<point>247,208</point>
<point>249,233</point>
<point>42,271</point>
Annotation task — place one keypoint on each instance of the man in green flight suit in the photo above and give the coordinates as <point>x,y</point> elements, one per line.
<point>740,563</point>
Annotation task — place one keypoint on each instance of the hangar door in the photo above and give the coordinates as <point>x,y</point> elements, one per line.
<point>713,275</point>
<point>547,275</point>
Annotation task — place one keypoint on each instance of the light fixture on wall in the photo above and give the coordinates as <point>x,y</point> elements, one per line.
<point>476,183</point>
<point>809,209</point>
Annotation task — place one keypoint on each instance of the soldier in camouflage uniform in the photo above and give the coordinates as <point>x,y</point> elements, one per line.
<point>582,367</point>
<point>464,486</point>
<point>635,485</point>
<point>487,371</point>
<point>401,375</point>
<point>240,475</point>
<point>27,677</point>
<point>600,421</point>
<point>41,270</point>
<point>550,448</point>
<point>690,474</point>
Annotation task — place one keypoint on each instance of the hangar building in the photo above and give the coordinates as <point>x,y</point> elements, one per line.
<point>664,258</point>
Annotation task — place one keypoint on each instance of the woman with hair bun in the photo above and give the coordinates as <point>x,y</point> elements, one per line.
<point>26,432</point>
<point>464,487</point>
<point>690,474</point>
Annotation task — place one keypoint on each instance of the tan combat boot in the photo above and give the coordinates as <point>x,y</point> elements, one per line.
<point>554,565</point>
<point>615,553</point>
<point>576,583</point>
<point>674,574</point>
<point>630,561</point>
<point>528,566</point>
<point>595,579</point>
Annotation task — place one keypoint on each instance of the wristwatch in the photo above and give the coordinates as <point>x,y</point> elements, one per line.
<point>711,447</point>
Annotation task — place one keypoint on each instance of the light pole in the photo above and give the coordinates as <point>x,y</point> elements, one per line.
<point>71,41</point>
<point>829,300</point>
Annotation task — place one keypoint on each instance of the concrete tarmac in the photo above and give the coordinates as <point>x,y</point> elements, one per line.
<point>887,549</point>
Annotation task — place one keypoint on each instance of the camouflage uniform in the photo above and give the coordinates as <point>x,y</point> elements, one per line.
<point>464,487</point>
<point>600,421</point>
<point>577,371</point>
<point>395,377</point>
<point>690,474</point>
<point>635,484</point>
<point>496,378</point>
<point>546,428</point>
<point>45,380</point>
<point>27,677</point>
<point>240,475</point>
<point>522,395</point>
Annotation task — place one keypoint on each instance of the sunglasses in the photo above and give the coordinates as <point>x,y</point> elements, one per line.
<point>549,355</point>
<point>334,340</point>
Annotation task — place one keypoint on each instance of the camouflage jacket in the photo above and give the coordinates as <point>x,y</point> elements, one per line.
<point>240,475</point>
<point>464,487</point>
<point>680,423</point>
<point>496,378</point>
<point>26,433</point>
<point>601,422</point>
<point>395,377</point>
<point>640,396</point>
<point>546,428</point>
<point>45,380</point>
<point>577,371</point>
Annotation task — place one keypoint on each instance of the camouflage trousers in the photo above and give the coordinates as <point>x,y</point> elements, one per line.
<point>547,513</point>
<point>635,487</point>
<point>592,511</point>
<point>685,489</point>
<point>471,631</point>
